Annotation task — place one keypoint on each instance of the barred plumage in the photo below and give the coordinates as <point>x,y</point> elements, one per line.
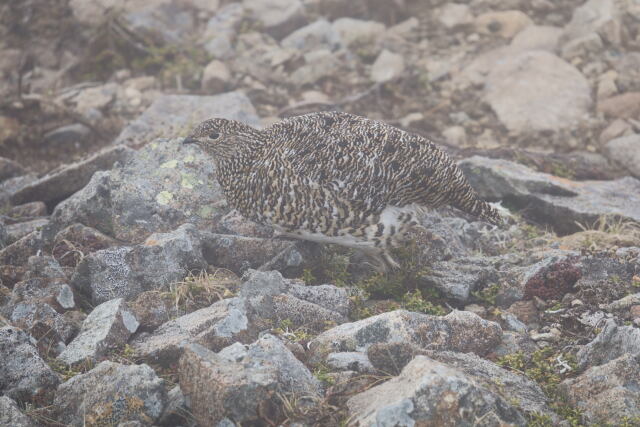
<point>335,177</point>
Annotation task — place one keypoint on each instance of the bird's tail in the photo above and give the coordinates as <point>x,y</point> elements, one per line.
<point>467,200</point>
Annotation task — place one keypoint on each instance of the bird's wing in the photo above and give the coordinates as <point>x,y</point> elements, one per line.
<point>363,160</point>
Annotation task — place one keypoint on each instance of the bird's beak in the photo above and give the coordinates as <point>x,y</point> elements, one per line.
<point>189,140</point>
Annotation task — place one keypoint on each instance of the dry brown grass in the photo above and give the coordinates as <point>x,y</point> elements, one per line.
<point>202,289</point>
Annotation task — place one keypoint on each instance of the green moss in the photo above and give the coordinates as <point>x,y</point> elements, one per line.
<point>414,301</point>
<point>488,294</point>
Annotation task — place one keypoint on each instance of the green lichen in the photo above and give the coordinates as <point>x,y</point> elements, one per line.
<point>164,197</point>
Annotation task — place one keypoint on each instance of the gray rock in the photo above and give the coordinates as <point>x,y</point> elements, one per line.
<point>350,361</point>
<point>11,415</point>
<point>430,392</point>
<point>214,327</point>
<point>582,46</point>
<point>28,210</point>
<point>548,199</point>
<point>10,169</point>
<point>625,151</point>
<point>237,382</point>
<point>458,331</point>
<point>173,116</point>
<point>169,21</point>
<point>595,16</point>
<point>551,94</point>
<point>216,77</point>
<point>613,342</point>
<point>23,374</point>
<point>320,63</point>
<point>356,33</point>
<point>221,29</point>
<point>460,277</point>
<point>18,230</point>
<point>18,252</point>
<point>453,15</point>
<point>537,37</point>
<point>111,393</point>
<point>277,17</point>
<point>52,329</point>
<point>106,328</point>
<point>328,296</point>
<point>127,271</point>
<point>317,35</point>
<point>387,66</point>
<point>57,186</point>
<point>607,394</point>
<point>176,408</point>
<point>67,137</point>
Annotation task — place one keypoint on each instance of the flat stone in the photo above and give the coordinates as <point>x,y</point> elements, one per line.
<point>28,210</point>
<point>626,151</point>
<point>357,33</point>
<point>614,341</point>
<point>23,373</point>
<point>552,200</point>
<point>624,106</point>
<point>171,116</point>
<point>537,37</point>
<point>111,393</point>
<point>106,328</point>
<point>278,17</point>
<point>58,185</point>
<point>536,90</point>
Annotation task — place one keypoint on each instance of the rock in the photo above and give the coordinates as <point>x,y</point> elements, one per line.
<point>319,64</point>
<point>17,253</point>
<point>388,66</point>
<point>616,129</point>
<point>167,21</point>
<point>350,361</point>
<point>607,86</point>
<point>127,271</point>
<point>624,106</point>
<point>551,94</point>
<point>151,309</point>
<point>170,116</point>
<point>607,393</point>
<point>214,327</point>
<point>429,392</point>
<point>28,210</point>
<point>76,241</point>
<point>595,16</point>
<point>277,17</point>
<point>552,200</point>
<point>582,46</point>
<point>628,72</point>
<point>458,331</point>
<point>537,37</point>
<point>613,342</point>
<point>10,169</point>
<point>626,151</point>
<point>241,382</point>
<point>327,296</point>
<point>67,137</point>
<point>356,33</point>
<point>221,29</point>
<point>505,23</point>
<point>317,35</point>
<point>107,328</point>
<point>93,99</point>
<point>11,415</point>
<point>453,15</point>
<point>10,128</point>
<point>216,77</point>
<point>18,230</point>
<point>111,393</point>
<point>455,135</point>
<point>59,185</point>
<point>23,374</point>
<point>458,278</point>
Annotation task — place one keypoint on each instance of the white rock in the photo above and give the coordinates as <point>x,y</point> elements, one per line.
<point>452,15</point>
<point>626,151</point>
<point>215,77</point>
<point>536,90</point>
<point>388,66</point>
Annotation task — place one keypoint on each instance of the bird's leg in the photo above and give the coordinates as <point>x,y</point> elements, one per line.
<point>382,262</point>
<point>389,261</point>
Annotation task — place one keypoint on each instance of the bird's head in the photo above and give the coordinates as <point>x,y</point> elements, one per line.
<point>222,138</point>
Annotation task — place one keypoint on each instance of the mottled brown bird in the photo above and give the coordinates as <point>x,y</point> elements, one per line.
<point>334,177</point>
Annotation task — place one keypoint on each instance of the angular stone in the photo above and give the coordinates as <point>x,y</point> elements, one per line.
<point>23,374</point>
<point>350,361</point>
<point>76,241</point>
<point>242,381</point>
<point>599,16</point>
<point>18,230</point>
<point>614,341</point>
<point>52,329</point>
<point>537,37</point>
<point>388,66</point>
<point>626,151</point>
<point>11,415</point>
<point>624,106</point>
<point>59,185</point>
<point>278,17</point>
<point>458,331</point>
<point>19,251</point>
<point>173,116</point>
<point>106,328</point>
<point>127,271</point>
<point>215,77</point>
<point>10,169</point>
<point>111,393</point>
<point>356,33</point>
<point>317,35</point>
<point>552,200</point>
<point>459,277</point>
<point>536,90</point>
<point>214,327</point>
<point>28,210</point>
<point>428,392</point>
<point>607,394</point>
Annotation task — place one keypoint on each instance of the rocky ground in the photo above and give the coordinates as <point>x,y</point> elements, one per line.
<point>131,295</point>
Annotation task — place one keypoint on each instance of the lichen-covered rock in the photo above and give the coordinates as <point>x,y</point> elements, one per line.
<point>76,241</point>
<point>20,229</point>
<point>552,200</point>
<point>23,373</point>
<point>458,331</point>
<point>242,382</point>
<point>277,17</point>
<point>11,415</point>
<point>106,328</point>
<point>111,393</point>
<point>552,282</point>
<point>350,361</point>
<point>613,342</point>
<point>432,393</point>
<point>607,394</point>
<point>127,271</point>
<point>19,251</point>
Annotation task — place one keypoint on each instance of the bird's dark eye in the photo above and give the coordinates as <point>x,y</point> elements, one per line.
<point>214,135</point>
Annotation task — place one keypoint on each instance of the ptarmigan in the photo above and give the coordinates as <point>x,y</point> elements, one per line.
<point>334,177</point>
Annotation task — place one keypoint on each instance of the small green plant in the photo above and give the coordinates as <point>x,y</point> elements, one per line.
<point>286,330</point>
<point>414,301</point>
<point>488,294</point>
<point>322,373</point>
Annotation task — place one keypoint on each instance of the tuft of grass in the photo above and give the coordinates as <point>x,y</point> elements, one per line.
<point>612,224</point>
<point>488,295</point>
<point>201,290</point>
